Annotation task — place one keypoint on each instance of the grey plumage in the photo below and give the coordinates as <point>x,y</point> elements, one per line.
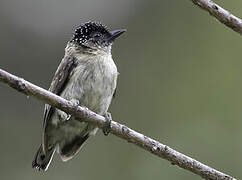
<point>87,75</point>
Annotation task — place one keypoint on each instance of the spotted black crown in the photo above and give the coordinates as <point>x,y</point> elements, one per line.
<point>85,31</point>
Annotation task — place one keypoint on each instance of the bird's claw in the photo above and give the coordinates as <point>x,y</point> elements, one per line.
<point>76,103</point>
<point>107,126</point>
<point>68,117</point>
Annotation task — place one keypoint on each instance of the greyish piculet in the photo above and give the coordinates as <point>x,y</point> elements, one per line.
<point>87,76</point>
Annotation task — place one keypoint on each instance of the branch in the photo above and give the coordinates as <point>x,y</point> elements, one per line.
<point>122,131</point>
<point>220,14</point>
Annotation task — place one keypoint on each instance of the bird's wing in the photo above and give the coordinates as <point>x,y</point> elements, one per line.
<point>58,83</point>
<point>114,93</point>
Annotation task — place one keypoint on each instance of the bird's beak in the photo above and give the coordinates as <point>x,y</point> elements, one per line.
<point>115,34</point>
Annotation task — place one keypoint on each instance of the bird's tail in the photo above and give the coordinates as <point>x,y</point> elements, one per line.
<point>69,149</point>
<point>42,161</point>
<point>75,134</point>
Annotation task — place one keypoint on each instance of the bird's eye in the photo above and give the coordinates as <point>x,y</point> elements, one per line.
<point>97,35</point>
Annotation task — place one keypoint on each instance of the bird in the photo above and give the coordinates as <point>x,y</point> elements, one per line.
<point>86,76</point>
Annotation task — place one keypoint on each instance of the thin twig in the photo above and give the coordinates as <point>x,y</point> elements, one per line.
<point>221,14</point>
<point>122,131</point>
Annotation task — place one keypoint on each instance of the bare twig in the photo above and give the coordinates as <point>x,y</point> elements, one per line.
<point>117,129</point>
<point>221,14</point>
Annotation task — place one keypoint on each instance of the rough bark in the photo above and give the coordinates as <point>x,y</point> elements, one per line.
<point>220,14</point>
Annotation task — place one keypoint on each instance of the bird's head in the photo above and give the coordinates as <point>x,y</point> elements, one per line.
<point>95,36</point>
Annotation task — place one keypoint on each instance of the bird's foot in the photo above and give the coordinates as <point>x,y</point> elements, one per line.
<point>107,126</point>
<point>75,103</point>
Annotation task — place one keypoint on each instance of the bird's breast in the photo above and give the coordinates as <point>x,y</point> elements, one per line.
<point>93,83</point>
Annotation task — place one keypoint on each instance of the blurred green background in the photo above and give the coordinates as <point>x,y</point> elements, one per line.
<point>180,83</point>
